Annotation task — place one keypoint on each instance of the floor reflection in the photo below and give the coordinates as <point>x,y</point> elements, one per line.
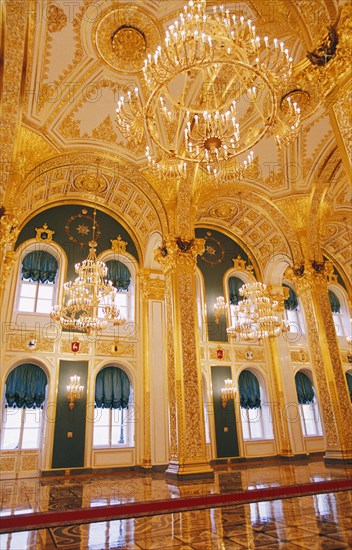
<point>311,522</point>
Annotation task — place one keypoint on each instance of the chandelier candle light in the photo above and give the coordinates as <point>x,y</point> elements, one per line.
<point>220,307</point>
<point>74,391</point>
<point>216,88</point>
<point>255,317</point>
<point>90,301</point>
<point>228,392</point>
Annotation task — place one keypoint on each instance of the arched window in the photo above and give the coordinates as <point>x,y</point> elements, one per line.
<point>337,313</point>
<point>308,406</point>
<point>114,419</point>
<point>25,392</point>
<point>38,275</point>
<point>121,279</point>
<point>255,410</point>
<point>292,311</point>
<point>234,284</point>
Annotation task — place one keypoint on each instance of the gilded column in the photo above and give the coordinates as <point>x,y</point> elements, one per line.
<point>187,431</point>
<point>334,401</point>
<point>152,289</point>
<point>283,435</point>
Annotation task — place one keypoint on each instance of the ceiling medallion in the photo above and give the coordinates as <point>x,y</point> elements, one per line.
<point>124,36</point>
<point>91,182</point>
<point>224,211</point>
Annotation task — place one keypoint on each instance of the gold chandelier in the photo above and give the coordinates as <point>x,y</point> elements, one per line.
<point>215,88</point>
<point>255,317</point>
<point>89,302</point>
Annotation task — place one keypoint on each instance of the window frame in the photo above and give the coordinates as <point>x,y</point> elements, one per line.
<point>23,411</point>
<point>129,261</point>
<point>128,418</point>
<point>315,409</point>
<point>57,252</point>
<point>265,415</point>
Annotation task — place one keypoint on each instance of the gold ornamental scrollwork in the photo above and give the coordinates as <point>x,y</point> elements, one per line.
<point>178,251</point>
<point>151,288</point>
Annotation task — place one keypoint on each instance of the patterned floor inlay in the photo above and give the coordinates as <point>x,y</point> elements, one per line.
<point>318,521</point>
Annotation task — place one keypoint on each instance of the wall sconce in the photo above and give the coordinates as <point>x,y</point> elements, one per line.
<point>220,308</point>
<point>228,392</point>
<point>74,391</point>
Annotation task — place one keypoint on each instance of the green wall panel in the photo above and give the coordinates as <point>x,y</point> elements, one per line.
<point>220,250</point>
<point>224,418</point>
<point>67,221</point>
<point>69,452</point>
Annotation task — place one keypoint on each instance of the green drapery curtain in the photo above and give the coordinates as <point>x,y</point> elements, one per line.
<point>25,387</point>
<point>249,389</point>
<point>304,389</point>
<point>349,383</point>
<point>119,274</point>
<point>334,302</point>
<point>292,302</point>
<point>235,284</point>
<point>39,266</point>
<point>112,389</point>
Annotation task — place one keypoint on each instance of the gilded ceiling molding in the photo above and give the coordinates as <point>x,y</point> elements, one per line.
<point>15,51</point>
<point>122,190</point>
<point>55,18</point>
<point>343,115</point>
<point>282,240</point>
<point>106,131</point>
<point>325,174</point>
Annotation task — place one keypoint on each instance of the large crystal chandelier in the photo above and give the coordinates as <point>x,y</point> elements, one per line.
<point>89,302</point>
<point>213,90</point>
<point>255,317</point>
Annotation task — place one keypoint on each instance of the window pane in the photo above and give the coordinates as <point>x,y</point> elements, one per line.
<point>12,417</point>
<point>116,435</point>
<point>255,417</point>
<point>117,415</point>
<point>101,436</point>
<point>11,438</point>
<point>44,306</point>
<point>101,417</point>
<point>121,299</point>
<point>28,290</point>
<point>245,426</point>
<point>30,438</point>
<point>26,304</point>
<point>308,413</point>
<point>46,291</point>
<point>32,418</point>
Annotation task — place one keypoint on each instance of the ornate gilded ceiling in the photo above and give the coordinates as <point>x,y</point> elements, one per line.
<point>66,65</point>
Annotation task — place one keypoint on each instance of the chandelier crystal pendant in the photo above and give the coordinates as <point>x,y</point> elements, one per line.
<point>90,300</point>
<point>215,88</point>
<point>255,317</point>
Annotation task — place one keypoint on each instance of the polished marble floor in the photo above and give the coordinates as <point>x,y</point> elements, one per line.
<point>311,522</point>
<point>322,521</point>
<point>23,496</point>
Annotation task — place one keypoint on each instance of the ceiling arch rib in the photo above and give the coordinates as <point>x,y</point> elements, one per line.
<point>116,186</point>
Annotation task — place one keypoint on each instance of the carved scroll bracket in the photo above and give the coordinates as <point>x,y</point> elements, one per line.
<point>178,251</point>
